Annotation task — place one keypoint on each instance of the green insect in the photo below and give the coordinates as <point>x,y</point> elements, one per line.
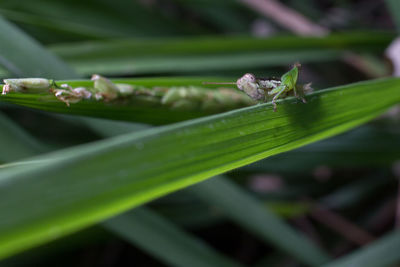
<point>264,90</point>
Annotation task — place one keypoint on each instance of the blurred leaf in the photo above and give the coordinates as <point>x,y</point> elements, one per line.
<point>52,21</point>
<point>137,56</point>
<point>109,128</point>
<point>352,193</point>
<point>242,208</point>
<point>358,147</point>
<point>57,24</point>
<point>394,9</point>
<point>256,218</point>
<point>15,143</point>
<point>227,16</point>
<point>381,253</point>
<point>164,240</point>
<point>73,188</point>
<point>23,56</point>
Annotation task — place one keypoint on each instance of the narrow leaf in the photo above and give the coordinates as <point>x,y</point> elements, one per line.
<point>15,143</point>
<point>135,108</point>
<point>255,217</point>
<point>164,240</point>
<point>381,253</point>
<point>142,227</point>
<point>238,205</point>
<point>23,56</point>
<point>133,56</point>
<point>356,148</point>
<point>92,182</point>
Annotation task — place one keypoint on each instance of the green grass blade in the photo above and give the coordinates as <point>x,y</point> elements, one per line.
<point>133,56</point>
<point>239,206</point>
<point>394,9</point>
<point>255,217</point>
<point>381,253</point>
<point>110,128</point>
<point>71,20</point>
<point>58,25</point>
<point>15,143</point>
<point>164,240</point>
<point>142,227</point>
<point>356,148</point>
<point>23,56</point>
<point>92,182</point>
<point>133,110</point>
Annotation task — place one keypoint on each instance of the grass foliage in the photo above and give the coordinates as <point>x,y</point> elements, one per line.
<point>244,176</point>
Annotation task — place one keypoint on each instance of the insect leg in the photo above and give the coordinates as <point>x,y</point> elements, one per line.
<point>277,89</point>
<point>295,90</point>
<point>277,95</point>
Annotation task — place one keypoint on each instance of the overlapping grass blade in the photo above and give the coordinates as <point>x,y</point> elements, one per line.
<point>70,20</point>
<point>89,183</point>
<point>356,148</point>
<point>23,56</point>
<point>164,240</point>
<point>236,204</point>
<point>133,56</point>
<point>210,256</point>
<point>142,227</point>
<point>140,56</point>
<point>381,253</point>
<point>256,218</point>
<point>16,143</point>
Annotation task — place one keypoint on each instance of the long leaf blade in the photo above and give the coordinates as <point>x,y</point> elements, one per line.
<point>133,56</point>
<point>133,110</point>
<point>23,56</point>
<point>381,253</point>
<point>255,217</point>
<point>161,238</point>
<point>89,183</point>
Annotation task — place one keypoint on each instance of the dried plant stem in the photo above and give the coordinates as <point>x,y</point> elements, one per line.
<point>286,17</point>
<point>341,225</point>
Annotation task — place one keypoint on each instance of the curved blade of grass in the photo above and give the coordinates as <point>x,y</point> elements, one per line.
<point>356,148</point>
<point>92,182</point>
<point>381,253</point>
<point>142,227</point>
<point>132,56</point>
<point>149,231</point>
<point>256,218</point>
<point>215,45</point>
<point>152,113</point>
<point>137,56</point>
<point>238,205</point>
<point>23,56</point>
<point>164,240</point>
